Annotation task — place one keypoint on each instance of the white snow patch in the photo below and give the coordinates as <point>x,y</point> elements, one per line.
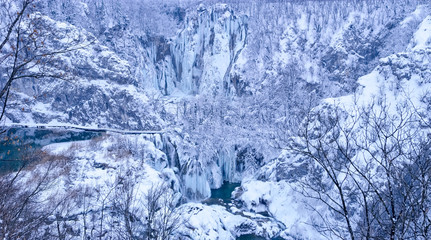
<point>284,203</point>
<point>422,37</point>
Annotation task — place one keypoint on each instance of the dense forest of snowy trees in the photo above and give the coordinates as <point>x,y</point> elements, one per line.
<point>319,110</point>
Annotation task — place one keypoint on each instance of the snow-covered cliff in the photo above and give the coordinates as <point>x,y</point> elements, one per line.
<point>230,87</point>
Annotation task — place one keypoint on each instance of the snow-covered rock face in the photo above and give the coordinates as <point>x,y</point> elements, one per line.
<point>394,97</point>
<point>282,201</point>
<point>422,37</point>
<point>97,90</point>
<point>204,51</point>
<point>228,86</point>
<point>213,51</point>
<point>200,57</point>
<point>106,90</point>
<point>214,222</point>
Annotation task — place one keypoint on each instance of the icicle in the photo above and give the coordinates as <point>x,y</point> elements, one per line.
<point>196,186</point>
<point>226,161</point>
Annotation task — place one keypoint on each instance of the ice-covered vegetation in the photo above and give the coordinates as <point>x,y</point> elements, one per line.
<point>320,110</point>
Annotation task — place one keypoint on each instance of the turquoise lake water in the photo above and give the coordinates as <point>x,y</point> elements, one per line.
<point>18,145</point>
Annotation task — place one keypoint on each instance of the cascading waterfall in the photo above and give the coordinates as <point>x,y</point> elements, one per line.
<point>226,162</point>
<point>203,171</point>
<point>195,181</point>
<point>201,56</point>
